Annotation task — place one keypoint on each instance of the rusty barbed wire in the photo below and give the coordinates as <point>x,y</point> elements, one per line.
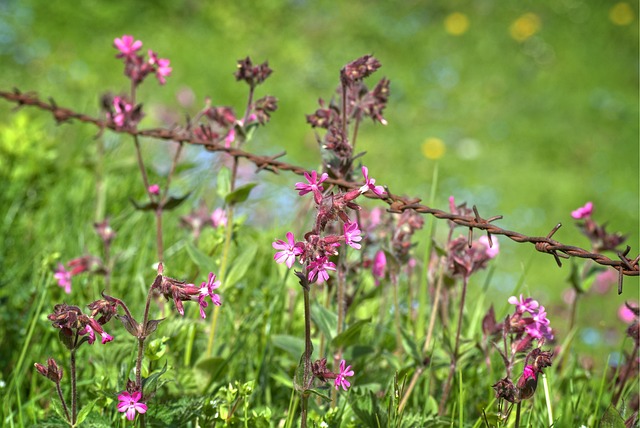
<point>397,204</point>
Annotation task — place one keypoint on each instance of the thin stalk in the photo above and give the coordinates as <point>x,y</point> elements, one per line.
<point>396,306</point>
<point>454,357</point>
<point>308,350</point>
<point>517,424</point>
<point>62,400</point>
<point>342,266</point>
<point>141,341</point>
<point>101,193</point>
<point>625,376</point>
<point>547,398</point>
<point>74,392</point>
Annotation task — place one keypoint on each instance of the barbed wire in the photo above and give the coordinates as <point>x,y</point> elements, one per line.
<point>397,204</point>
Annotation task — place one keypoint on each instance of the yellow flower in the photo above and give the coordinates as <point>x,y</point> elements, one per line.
<point>456,23</point>
<point>433,148</point>
<point>525,26</point>
<point>621,14</point>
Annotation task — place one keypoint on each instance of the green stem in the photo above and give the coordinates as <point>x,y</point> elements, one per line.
<point>517,424</point>
<point>64,403</point>
<point>547,398</point>
<point>74,392</point>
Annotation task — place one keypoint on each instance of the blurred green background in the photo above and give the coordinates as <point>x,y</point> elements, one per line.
<point>529,109</point>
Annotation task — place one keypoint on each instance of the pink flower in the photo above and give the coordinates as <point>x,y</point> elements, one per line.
<point>63,277</point>
<point>379,266</point>
<point>122,110</point>
<point>341,380</point>
<point>583,212</point>
<point>130,403</point>
<point>154,189</point>
<point>492,250</point>
<point>524,305</point>
<point>370,183</point>
<point>318,269</point>
<point>290,250</point>
<point>314,185</point>
<point>527,383</point>
<point>352,235</point>
<point>162,67</point>
<point>625,314</point>
<point>127,46</point>
<point>206,289</point>
<point>219,217</point>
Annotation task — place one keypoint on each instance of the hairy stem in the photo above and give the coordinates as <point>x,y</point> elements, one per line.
<point>62,400</point>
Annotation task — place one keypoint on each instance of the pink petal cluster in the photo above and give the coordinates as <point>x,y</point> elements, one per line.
<point>289,250</point>
<point>63,277</point>
<point>127,46</point>
<point>370,184</point>
<point>625,314</point>
<point>379,266</point>
<point>493,248</point>
<point>130,404</point>
<point>341,378</point>
<point>537,326</point>
<point>583,212</point>
<point>313,185</point>
<point>154,189</point>
<point>318,269</point>
<point>352,235</point>
<point>206,290</point>
<point>122,110</point>
<point>219,217</point>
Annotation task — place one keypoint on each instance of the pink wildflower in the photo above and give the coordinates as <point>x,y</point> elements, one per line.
<point>379,266</point>
<point>130,403</point>
<point>318,269</point>
<point>126,46</point>
<point>206,289</point>
<point>625,314</point>
<point>290,250</point>
<point>63,277</point>
<point>492,250</point>
<point>162,67</point>
<point>524,305</point>
<point>527,383</point>
<point>314,185</point>
<point>341,380</point>
<point>352,235</point>
<point>219,217</point>
<point>370,183</point>
<point>122,110</point>
<point>154,189</point>
<point>583,212</point>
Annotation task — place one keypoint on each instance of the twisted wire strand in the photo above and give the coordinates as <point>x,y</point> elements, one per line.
<point>397,204</point>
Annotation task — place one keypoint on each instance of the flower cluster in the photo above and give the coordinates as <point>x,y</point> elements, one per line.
<point>356,102</point>
<point>77,327</point>
<point>320,371</point>
<point>535,362</point>
<point>535,326</point>
<point>601,240</point>
<point>317,248</point>
<point>201,217</point>
<point>463,259</point>
<point>180,291</point>
<point>130,404</point>
<point>136,67</point>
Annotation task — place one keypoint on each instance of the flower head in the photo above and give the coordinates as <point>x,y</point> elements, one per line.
<point>162,67</point>
<point>352,235</point>
<point>524,305</point>
<point>493,247</point>
<point>63,277</point>
<point>527,383</point>
<point>341,380</point>
<point>313,185</point>
<point>318,269</point>
<point>290,250</point>
<point>154,189</point>
<point>583,212</point>
<point>370,183</point>
<point>379,266</point>
<point>206,289</point>
<point>130,404</point>
<point>219,217</point>
<point>126,46</point>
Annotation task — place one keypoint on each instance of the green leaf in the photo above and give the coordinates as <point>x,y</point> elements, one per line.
<point>204,262</point>
<point>326,321</point>
<point>292,345</point>
<point>611,419</point>
<point>224,182</point>
<point>57,407</point>
<point>175,202</point>
<point>84,412</point>
<point>367,408</point>
<point>351,336</point>
<point>241,263</point>
<point>171,203</point>
<point>240,194</point>
<point>150,382</point>
<point>212,368</point>
<point>410,346</point>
